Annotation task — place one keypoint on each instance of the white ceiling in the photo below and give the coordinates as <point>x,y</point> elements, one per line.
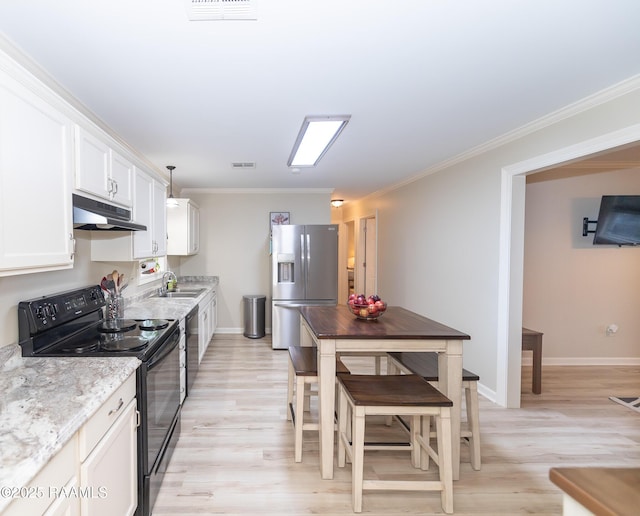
<point>423,80</point>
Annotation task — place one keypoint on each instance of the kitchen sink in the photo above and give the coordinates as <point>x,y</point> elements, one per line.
<point>182,292</point>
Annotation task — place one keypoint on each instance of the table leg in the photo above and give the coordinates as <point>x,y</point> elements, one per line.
<point>326,401</point>
<point>537,365</point>
<point>450,381</point>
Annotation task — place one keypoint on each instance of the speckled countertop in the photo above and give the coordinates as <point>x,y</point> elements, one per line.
<point>45,401</point>
<point>146,307</point>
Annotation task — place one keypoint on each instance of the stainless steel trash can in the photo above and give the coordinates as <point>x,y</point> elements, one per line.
<point>254,316</point>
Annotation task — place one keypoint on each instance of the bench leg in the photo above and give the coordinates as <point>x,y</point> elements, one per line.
<point>473,420</point>
<point>299,417</point>
<point>357,460</point>
<point>445,459</point>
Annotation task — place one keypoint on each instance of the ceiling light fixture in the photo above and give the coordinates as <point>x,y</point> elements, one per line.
<point>314,139</point>
<point>172,202</point>
<point>336,203</point>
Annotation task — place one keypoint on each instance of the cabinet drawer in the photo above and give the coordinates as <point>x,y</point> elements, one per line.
<point>106,415</point>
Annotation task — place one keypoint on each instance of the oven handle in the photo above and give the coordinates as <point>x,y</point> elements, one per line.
<point>165,349</point>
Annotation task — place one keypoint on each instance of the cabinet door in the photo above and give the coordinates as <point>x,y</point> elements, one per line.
<point>159,218</point>
<point>36,146</point>
<point>143,192</point>
<point>203,324</point>
<point>121,177</point>
<point>92,164</point>
<point>194,229</point>
<point>110,470</point>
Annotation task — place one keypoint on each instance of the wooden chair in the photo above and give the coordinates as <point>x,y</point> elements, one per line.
<point>303,372</point>
<point>425,364</point>
<point>400,395</point>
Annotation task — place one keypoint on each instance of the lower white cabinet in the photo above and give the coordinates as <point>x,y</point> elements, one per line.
<point>207,315</point>
<point>51,491</point>
<point>183,360</point>
<point>109,471</point>
<point>96,472</point>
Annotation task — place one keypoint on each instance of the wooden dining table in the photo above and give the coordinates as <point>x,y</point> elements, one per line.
<point>334,329</point>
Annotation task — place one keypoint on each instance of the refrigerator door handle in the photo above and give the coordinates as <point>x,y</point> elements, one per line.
<point>289,305</point>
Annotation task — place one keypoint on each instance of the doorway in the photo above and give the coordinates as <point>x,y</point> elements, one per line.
<point>511,259</point>
<point>362,255</point>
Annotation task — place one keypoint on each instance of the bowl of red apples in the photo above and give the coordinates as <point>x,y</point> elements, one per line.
<point>366,308</point>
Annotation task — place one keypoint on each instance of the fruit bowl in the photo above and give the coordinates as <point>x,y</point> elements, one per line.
<point>370,310</point>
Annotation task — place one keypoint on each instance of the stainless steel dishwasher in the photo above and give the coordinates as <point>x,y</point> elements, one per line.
<point>191,329</point>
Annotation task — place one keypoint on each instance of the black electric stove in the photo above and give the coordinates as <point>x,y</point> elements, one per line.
<point>71,324</point>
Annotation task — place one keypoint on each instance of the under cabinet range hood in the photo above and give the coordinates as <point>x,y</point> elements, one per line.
<point>95,215</point>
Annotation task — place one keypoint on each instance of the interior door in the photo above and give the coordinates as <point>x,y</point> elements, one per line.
<point>370,252</point>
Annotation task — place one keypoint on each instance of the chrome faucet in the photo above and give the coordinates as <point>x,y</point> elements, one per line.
<point>164,288</point>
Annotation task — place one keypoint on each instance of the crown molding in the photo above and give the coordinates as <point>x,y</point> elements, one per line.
<point>612,92</point>
<point>273,191</point>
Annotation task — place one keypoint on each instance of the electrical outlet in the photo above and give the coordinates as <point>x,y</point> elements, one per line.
<point>612,329</point>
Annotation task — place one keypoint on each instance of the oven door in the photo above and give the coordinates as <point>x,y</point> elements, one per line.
<point>160,398</point>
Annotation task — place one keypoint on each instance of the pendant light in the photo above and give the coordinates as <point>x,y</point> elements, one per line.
<point>171,200</point>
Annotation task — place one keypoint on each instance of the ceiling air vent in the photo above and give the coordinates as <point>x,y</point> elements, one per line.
<point>237,165</point>
<point>221,9</point>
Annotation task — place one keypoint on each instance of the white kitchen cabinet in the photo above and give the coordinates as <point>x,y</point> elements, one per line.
<point>214,314</point>
<point>101,171</point>
<point>183,360</point>
<point>36,157</point>
<point>204,328</point>
<point>49,493</point>
<point>108,456</point>
<point>207,316</point>
<point>95,472</point>
<point>121,176</point>
<point>150,210</point>
<point>183,228</point>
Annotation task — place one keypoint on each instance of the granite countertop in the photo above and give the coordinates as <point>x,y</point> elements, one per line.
<point>145,307</point>
<point>45,401</point>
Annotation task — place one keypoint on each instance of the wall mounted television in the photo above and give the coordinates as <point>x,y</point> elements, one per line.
<point>618,221</point>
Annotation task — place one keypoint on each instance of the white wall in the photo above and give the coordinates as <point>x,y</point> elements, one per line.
<point>572,289</point>
<point>439,251</point>
<point>234,243</point>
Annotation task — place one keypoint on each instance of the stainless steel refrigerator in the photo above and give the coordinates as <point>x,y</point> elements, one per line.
<point>304,271</point>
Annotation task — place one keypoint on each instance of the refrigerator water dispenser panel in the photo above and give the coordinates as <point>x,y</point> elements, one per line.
<point>286,268</point>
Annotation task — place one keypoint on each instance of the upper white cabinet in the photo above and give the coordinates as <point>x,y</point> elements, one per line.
<point>150,210</point>
<point>101,171</point>
<point>183,228</point>
<point>36,156</point>
<point>150,207</point>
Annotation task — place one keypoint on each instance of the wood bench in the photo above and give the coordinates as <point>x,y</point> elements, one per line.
<point>532,341</point>
<point>395,395</point>
<point>303,372</point>
<point>425,364</point>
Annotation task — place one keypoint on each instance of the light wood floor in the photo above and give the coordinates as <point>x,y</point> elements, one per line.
<point>235,453</point>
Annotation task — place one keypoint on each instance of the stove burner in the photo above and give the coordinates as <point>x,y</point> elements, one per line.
<point>153,324</point>
<point>81,348</point>
<point>117,325</point>
<point>117,342</point>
